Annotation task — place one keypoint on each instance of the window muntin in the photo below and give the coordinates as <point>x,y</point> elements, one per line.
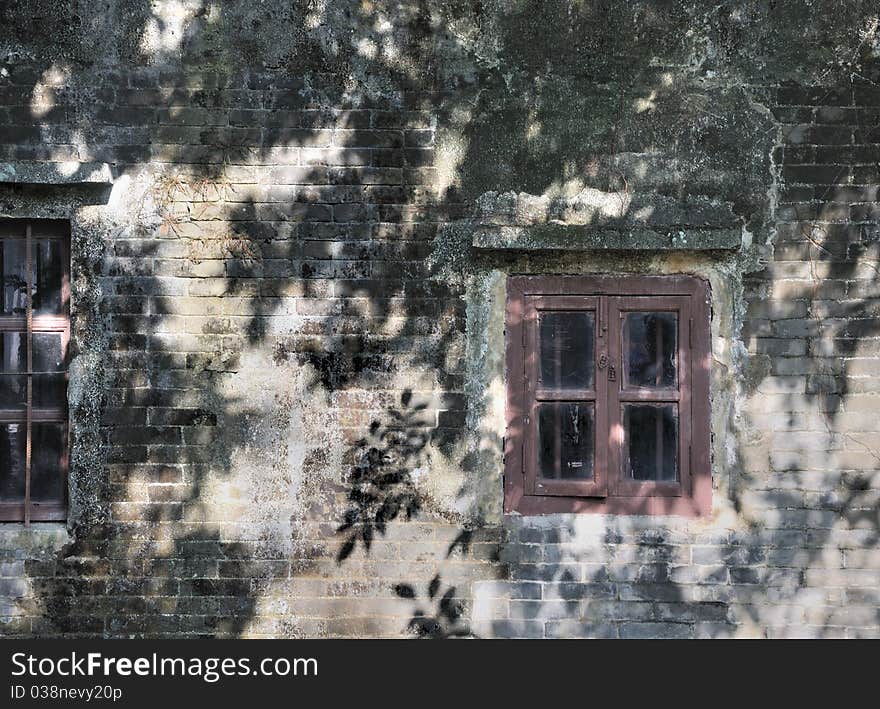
<point>34,337</point>
<point>608,395</point>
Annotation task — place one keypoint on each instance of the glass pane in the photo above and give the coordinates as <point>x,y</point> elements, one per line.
<point>48,450</point>
<point>565,440</point>
<point>650,450</point>
<point>48,277</point>
<point>12,452</point>
<point>50,391</point>
<point>48,352</point>
<point>650,343</point>
<point>13,352</point>
<point>566,350</point>
<point>13,391</point>
<point>14,261</point>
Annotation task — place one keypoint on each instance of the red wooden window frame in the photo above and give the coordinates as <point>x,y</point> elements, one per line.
<point>29,324</point>
<point>608,298</point>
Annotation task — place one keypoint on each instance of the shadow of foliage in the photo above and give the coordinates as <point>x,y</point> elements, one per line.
<point>443,618</point>
<point>380,483</point>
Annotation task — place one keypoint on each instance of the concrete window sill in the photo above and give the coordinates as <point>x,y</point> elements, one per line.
<point>36,538</point>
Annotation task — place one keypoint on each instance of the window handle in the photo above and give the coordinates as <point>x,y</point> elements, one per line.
<point>603,361</point>
<point>612,375</point>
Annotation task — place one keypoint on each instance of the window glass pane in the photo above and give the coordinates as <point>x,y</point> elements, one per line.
<point>13,358</point>
<point>14,262</point>
<point>47,450</point>
<point>48,277</point>
<point>50,391</point>
<point>12,451</point>
<point>13,352</point>
<point>566,350</point>
<point>48,352</point>
<point>650,343</point>
<point>13,391</point>
<point>650,450</point>
<point>565,440</point>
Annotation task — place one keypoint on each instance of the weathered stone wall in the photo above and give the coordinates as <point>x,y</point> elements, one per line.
<point>287,375</point>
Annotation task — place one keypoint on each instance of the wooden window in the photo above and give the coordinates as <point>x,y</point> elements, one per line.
<point>34,336</point>
<point>608,395</point>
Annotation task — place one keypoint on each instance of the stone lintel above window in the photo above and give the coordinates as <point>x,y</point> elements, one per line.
<point>578,237</point>
<point>596,220</point>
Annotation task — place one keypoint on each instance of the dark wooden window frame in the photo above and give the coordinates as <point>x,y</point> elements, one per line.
<point>31,323</point>
<point>608,297</point>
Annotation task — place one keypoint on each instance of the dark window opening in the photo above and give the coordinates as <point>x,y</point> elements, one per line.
<point>34,337</point>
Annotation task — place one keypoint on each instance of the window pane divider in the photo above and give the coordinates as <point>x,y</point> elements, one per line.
<point>37,415</point>
<point>33,371</point>
<point>29,260</point>
<point>660,396</point>
<point>573,395</point>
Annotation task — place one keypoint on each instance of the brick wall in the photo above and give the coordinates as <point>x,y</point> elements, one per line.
<point>286,416</point>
